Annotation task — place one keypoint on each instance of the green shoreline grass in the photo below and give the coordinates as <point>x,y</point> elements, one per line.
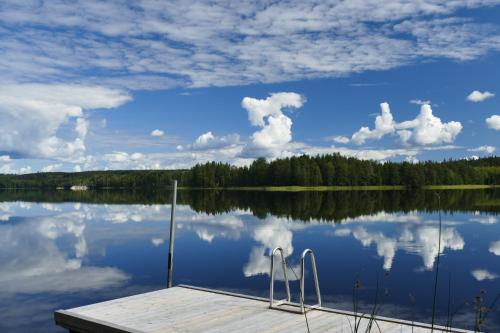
<point>312,188</point>
<point>459,187</point>
<point>341,188</point>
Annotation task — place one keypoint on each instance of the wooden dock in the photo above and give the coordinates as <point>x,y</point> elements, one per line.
<point>191,309</point>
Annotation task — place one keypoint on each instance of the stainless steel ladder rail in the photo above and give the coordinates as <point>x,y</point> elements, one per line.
<point>302,278</point>
<point>271,287</point>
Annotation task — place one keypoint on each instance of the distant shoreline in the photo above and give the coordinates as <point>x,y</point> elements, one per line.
<point>331,172</point>
<point>280,188</point>
<point>344,188</point>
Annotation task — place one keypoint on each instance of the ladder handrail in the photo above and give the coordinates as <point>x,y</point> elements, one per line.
<point>283,266</point>
<point>302,276</point>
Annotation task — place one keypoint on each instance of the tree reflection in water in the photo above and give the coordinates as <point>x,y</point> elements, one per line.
<point>57,243</point>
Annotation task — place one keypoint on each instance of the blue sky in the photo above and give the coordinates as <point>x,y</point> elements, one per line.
<point>150,84</point>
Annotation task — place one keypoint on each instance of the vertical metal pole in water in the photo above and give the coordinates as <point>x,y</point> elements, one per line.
<point>171,243</point>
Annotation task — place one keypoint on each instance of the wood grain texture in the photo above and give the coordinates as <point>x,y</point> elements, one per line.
<point>185,309</point>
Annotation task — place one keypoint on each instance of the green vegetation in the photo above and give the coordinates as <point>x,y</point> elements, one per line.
<point>459,187</point>
<point>327,206</point>
<point>130,179</point>
<point>313,188</point>
<point>339,172</point>
<point>325,172</point>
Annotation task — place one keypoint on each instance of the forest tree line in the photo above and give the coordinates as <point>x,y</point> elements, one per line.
<point>338,170</point>
<point>131,179</point>
<point>321,170</point>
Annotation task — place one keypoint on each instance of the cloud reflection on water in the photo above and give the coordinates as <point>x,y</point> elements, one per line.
<point>52,248</point>
<point>495,248</point>
<point>417,236</point>
<point>483,274</point>
<point>31,261</point>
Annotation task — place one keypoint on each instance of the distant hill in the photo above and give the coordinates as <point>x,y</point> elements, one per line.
<point>321,170</point>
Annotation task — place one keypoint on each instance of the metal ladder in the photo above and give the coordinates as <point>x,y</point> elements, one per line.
<point>275,304</point>
<point>287,285</point>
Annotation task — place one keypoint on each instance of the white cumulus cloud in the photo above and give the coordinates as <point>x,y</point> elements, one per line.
<point>425,129</point>
<point>32,114</point>
<point>477,96</point>
<point>493,122</point>
<point>157,133</point>
<point>208,141</point>
<point>276,127</point>
<point>87,44</point>
<point>384,124</point>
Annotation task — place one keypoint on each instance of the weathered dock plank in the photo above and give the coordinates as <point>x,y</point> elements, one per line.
<point>190,309</point>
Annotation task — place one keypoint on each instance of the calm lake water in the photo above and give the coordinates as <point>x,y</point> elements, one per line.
<point>65,249</point>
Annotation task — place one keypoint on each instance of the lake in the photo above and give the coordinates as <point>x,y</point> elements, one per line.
<point>65,249</point>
